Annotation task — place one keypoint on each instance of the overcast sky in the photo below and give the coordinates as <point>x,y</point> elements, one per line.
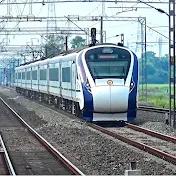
<point>128,28</point>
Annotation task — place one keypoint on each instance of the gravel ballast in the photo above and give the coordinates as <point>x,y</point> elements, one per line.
<point>92,152</point>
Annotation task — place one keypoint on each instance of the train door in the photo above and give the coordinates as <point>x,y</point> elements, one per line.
<point>20,82</point>
<point>73,79</point>
<point>30,77</point>
<point>47,78</point>
<point>38,77</point>
<point>60,78</point>
<point>16,78</point>
<point>26,82</point>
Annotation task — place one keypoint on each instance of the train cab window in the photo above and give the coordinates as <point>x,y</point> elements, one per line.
<point>108,62</point>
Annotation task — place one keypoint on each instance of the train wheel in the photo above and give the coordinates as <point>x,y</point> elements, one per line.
<point>78,111</point>
<point>57,102</point>
<point>73,108</point>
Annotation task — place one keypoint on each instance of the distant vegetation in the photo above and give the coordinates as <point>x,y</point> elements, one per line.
<point>56,44</point>
<point>157,94</point>
<point>157,68</point>
<point>157,79</point>
<point>77,42</point>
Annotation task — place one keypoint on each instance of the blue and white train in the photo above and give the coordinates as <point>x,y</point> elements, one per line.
<point>97,83</point>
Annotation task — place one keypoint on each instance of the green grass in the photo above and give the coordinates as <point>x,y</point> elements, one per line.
<point>157,94</point>
<point>161,87</point>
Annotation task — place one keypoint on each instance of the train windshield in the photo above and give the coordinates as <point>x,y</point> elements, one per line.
<point>108,62</point>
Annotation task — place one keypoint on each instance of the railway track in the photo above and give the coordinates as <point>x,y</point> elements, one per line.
<point>140,137</point>
<point>6,167</point>
<point>142,108</point>
<point>153,109</point>
<point>157,144</point>
<point>29,152</point>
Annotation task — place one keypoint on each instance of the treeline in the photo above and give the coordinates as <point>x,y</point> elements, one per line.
<point>157,69</point>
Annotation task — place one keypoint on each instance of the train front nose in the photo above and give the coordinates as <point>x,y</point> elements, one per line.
<point>110,98</point>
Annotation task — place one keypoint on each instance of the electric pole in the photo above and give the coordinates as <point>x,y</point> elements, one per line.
<point>172,62</point>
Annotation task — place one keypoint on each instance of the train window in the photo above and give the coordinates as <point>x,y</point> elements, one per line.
<point>28,75</point>
<point>23,75</point>
<point>34,74</point>
<point>66,74</point>
<point>109,69</point>
<point>110,63</point>
<point>19,75</point>
<point>43,74</point>
<point>53,74</point>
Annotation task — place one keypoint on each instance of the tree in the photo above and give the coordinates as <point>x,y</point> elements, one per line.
<point>77,42</point>
<point>55,44</point>
<point>157,68</point>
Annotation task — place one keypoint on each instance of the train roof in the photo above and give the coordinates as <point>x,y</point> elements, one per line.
<point>66,52</point>
<point>77,50</point>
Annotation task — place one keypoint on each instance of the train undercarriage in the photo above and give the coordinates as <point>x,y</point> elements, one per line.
<point>61,103</point>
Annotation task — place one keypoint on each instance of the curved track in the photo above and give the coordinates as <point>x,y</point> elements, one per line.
<point>30,153</point>
<point>154,143</point>
<point>153,109</point>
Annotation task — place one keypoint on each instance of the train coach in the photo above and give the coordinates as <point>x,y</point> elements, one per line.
<point>97,83</point>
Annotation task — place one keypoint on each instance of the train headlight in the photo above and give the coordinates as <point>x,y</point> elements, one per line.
<point>87,85</point>
<point>131,86</point>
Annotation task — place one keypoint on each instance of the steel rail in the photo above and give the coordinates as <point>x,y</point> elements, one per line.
<point>7,159</point>
<point>145,108</point>
<point>144,147</point>
<point>64,160</point>
<point>139,145</point>
<point>152,133</point>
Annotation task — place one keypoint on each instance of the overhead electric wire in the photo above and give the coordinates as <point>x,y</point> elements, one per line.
<point>46,39</point>
<point>88,1</point>
<point>147,27</point>
<point>94,24</point>
<point>94,9</point>
<point>158,9</point>
<point>20,9</point>
<point>85,31</point>
<point>76,25</point>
